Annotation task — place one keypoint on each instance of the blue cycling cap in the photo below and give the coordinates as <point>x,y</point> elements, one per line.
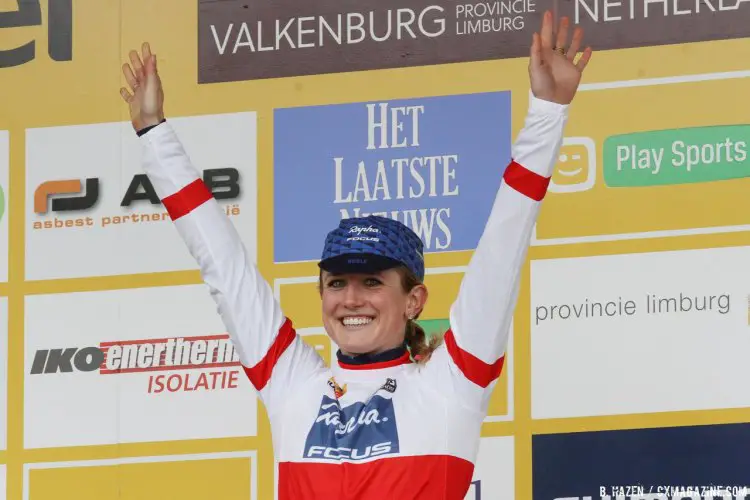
<point>371,244</point>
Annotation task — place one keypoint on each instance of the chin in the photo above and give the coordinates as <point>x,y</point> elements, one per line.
<point>355,342</point>
<point>356,346</point>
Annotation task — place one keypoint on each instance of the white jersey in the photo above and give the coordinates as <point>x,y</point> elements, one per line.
<point>388,429</point>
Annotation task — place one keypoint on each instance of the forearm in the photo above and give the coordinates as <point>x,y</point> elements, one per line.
<point>245,301</point>
<point>482,313</point>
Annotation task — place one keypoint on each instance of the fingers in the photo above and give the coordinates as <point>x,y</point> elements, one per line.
<point>130,77</point>
<point>536,50</point>
<point>151,65</point>
<point>149,59</point>
<point>135,61</point>
<point>546,32</point>
<point>146,50</point>
<point>126,96</point>
<point>135,72</point>
<point>138,71</point>
<point>584,60</point>
<point>575,44</point>
<point>562,33</point>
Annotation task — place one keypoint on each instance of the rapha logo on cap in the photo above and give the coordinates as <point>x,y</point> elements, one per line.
<point>360,229</point>
<point>363,233</point>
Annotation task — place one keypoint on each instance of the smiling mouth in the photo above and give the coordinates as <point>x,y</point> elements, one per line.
<point>356,321</point>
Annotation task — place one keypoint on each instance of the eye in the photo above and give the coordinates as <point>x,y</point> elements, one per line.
<point>372,282</point>
<point>335,283</point>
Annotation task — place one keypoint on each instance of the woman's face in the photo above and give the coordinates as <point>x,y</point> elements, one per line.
<point>367,313</point>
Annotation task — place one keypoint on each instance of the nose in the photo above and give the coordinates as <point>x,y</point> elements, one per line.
<point>353,297</point>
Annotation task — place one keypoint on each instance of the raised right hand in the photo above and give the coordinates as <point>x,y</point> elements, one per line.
<point>554,74</point>
<point>146,96</point>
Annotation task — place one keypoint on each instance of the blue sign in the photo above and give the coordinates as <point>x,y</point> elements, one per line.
<point>356,432</point>
<point>432,163</point>
<point>666,463</point>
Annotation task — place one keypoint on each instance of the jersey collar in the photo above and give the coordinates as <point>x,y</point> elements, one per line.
<point>386,359</point>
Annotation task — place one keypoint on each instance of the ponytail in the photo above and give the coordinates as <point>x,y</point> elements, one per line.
<point>419,345</point>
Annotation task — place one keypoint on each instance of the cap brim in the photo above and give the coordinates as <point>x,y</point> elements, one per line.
<point>358,263</point>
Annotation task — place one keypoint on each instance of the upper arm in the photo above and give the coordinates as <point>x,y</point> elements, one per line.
<point>481,315</point>
<point>269,349</point>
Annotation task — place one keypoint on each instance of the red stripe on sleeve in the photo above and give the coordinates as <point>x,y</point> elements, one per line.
<point>187,199</point>
<point>260,374</point>
<point>525,181</point>
<point>472,367</point>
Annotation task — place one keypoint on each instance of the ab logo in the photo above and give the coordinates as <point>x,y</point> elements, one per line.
<point>59,31</point>
<point>71,195</point>
<point>356,432</point>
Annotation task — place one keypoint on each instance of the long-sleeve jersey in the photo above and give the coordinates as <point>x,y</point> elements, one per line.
<point>388,430</point>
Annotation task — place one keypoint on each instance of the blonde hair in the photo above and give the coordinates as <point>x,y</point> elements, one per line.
<point>419,346</point>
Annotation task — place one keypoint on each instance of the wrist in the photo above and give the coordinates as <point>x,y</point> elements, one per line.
<point>149,121</point>
<point>546,104</point>
<point>141,131</point>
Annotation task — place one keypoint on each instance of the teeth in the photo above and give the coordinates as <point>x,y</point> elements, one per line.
<point>356,321</point>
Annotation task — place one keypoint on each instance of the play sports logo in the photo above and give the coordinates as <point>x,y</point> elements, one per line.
<point>211,354</point>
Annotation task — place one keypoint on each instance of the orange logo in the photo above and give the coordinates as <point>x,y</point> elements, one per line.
<point>337,389</point>
<point>48,189</point>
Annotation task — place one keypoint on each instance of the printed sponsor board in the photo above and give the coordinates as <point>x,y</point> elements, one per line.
<point>281,38</point>
<point>607,319</point>
<point>3,373</point>
<point>152,364</point>
<point>680,463</point>
<point>87,193</point>
<point>404,159</point>
<point>231,476</point>
<point>58,22</point>
<point>494,474</point>
<point>4,203</point>
<point>638,176</point>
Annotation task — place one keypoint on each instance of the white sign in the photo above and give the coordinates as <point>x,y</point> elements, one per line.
<point>495,473</point>
<point>3,483</point>
<point>106,224</point>
<point>641,333</point>
<point>152,364</point>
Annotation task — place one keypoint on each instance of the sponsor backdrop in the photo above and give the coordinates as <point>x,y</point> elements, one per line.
<point>117,379</point>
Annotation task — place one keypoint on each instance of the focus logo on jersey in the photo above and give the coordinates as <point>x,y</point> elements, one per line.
<point>356,432</point>
<point>182,354</point>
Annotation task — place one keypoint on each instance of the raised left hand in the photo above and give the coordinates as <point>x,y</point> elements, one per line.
<point>554,74</point>
<point>146,102</point>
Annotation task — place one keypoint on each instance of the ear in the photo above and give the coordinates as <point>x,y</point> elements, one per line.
<point>416,300</point>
